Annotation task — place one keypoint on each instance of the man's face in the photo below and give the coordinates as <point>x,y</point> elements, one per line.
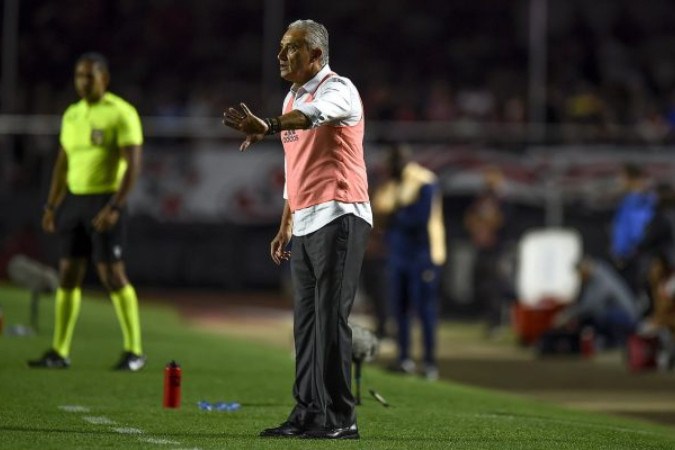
<point>90,81</point>
<point>296,60</point>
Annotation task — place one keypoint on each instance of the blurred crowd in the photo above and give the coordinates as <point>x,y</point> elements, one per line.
<point>623,298</point>
<point>610,63</point>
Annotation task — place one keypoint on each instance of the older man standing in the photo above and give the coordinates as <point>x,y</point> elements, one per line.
<point>327,213</point>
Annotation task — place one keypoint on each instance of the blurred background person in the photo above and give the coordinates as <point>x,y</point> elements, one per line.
<point>485,221</point>
<point>410,209</point>
<point>604,303</point>
<point>374,280</point>
<point>660,321</point>
<point>657,243</point>
<point>634,212</point>
<point>96,168</point>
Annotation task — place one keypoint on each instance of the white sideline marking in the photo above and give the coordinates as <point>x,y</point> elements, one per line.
<point>74,408</point>
<point>159,441</point>
<point>127,430</point>
<point>102,420</point>
<point>98,420</point>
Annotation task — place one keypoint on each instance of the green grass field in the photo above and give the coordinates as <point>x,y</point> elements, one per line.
<point>124,410</point>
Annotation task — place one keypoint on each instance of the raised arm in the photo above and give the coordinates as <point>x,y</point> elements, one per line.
<point>256,128</point>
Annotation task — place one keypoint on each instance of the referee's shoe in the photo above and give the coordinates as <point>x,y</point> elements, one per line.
<point>50,360</point>
<point>130,362</point>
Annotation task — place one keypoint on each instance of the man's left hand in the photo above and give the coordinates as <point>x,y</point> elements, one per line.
<point>105,219</point>
<point>246,122</point>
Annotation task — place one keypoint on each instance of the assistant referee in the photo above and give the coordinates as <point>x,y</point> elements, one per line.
<point>97,165</point>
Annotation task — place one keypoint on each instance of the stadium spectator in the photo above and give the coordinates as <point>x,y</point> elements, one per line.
<point>410,207</point>
<point>485,220</point>
<point>633,213</point>
<point>605,61</point>
<point>605,303</point>
<point>97,165</point>
<point>327,213</point>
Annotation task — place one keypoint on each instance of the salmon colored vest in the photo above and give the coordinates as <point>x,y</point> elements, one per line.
<point>324,163</point>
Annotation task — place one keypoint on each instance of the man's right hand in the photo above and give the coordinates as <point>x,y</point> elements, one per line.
<point>48,223</point>
<point>278,250</point>
<point>248,123</point>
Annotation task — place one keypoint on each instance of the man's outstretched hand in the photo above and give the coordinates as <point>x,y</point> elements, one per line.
<point>245,121</point>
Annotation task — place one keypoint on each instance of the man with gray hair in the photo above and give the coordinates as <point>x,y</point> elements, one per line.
<point>327,213</point>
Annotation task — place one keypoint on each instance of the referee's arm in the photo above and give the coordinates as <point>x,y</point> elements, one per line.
<point>57,190</point>
<point>132,154</point>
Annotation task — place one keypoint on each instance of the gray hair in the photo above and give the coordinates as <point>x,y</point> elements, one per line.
<point>316,36</point>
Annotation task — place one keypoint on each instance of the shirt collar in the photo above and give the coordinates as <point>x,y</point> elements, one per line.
<point>312,84</point>
<point>102,100</point>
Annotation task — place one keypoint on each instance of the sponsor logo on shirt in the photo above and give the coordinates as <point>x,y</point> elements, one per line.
<point>289,136</point>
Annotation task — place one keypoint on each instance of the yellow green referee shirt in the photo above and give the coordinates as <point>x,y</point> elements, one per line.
<point>92,136</point>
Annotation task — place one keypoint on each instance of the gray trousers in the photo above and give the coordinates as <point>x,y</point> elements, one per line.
<point>325,267</point>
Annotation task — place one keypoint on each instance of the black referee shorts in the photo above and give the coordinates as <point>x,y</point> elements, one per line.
<point>77,236</point>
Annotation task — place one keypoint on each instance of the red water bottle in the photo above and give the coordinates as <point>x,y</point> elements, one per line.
<point>587,342</point>
<point>172,378</point>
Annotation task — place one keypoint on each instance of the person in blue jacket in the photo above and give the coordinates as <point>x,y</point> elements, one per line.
<point>631,218</point>
<point>409,206</point>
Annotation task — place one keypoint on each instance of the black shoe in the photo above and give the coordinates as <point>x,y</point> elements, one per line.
<point>351,432</point>
<point>286,429</point>
<point>130,362</point>
<point>50,360</point>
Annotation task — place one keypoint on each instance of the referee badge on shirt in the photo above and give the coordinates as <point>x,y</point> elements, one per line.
<point>97,136</point>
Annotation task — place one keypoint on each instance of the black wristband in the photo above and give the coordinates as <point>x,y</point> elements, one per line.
<point>115,207</point>
<point>273,125</point>
<point>268,122</point>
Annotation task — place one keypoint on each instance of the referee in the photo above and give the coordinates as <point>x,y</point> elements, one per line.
<point>97,165</point>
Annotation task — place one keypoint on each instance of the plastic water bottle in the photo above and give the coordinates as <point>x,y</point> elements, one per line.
<point>205,406</point>
<point>219,406</point>
<point>229,407</point>
<point>172,382</point>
